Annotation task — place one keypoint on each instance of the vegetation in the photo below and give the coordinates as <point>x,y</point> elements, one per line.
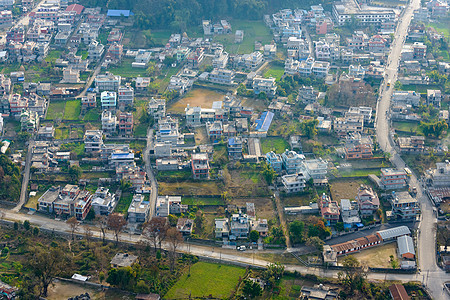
<point>9,179</point>
<point>276,144</point>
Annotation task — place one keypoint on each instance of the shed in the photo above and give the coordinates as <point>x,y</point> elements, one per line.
<point>123,260</point>
<point>393,233</point>
<point>119,13</point>
<point>406,247</point>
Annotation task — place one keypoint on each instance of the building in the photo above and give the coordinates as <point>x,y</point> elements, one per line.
<point>109,122</point>
<point>29,121</point>
<point>275,161</point>
<point>356,245</point>
<point>95,51</point>
<point>5,17</point>
<point>125,96</point>
<point>393,233</point>
<point>393,179</point>
<point>126,123</point>
<point>405,247</point>
<point>123,260</point>
<point>239,226</point>
<point>368,200</point>
<point>89,101</point>
<point>235,148</point>
<point>138,211</point>
<point>221,76</point>
<point>103,202</point>
<point>214,130</point>
<point>358,147</point>
<point>350,213</point>
<point>316,169</point>
<point>239,36</point>
<point>157,108</point>
<point>254,60</point>
<point>264,85</point>
<point>439,177</point>
<point>292,161</point>
<point>344,11</point>
<point>350,123</point>
<point>293,183</point>
<point>179,84</point>
<point>222,228</point>
<point>166,205</point>
<point>93,140</point>
<point>185,225</point>
<point>412,144</point>
<point>419,50</point>
<point>318,292</point>
<point>404,206</point>
<point>200,165</point>
<point>398,292</point>
<point>434,97</point>
<point>107,82</point>
<point>403,98</point>
<point>329,209</point>
<point>168,131</point>
<point>108,100</point>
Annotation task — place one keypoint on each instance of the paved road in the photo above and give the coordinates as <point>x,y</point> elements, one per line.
<point>430,274</point>
<point>25,178</point>
<point>149,170</point>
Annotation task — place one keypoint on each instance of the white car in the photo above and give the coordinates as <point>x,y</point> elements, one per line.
<point>241,248</point>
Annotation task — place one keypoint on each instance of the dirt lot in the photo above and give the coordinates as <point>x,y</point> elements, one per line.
<point>200,135</point>
<point>65,290</point>
<point>241,183</point>
<point>191,188</point>
<point>345,188</point>
<point>376,257</point>
<point>196,97</point>
<point>263,206</point>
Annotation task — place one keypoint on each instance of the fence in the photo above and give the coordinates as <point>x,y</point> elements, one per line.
<point>396,271</point>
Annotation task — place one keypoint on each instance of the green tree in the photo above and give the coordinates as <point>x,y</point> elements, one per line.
<point>296,231</point>
<point>75,173</point>
<point>308,128</point>
<point>273,274</point>
<point>26,225</point>
<point>125,277</point>
<point>254,236</point>
<point>340,226</point>
<point>315,242</point>
<point>268,173</point>
<point>251,289</point>
<point>352,277</point>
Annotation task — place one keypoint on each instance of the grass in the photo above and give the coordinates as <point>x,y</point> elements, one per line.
<point>190,188</point>
<point>171,176</point>
<point>53,56</point>
<point>274,69</point>
<point>202,201</point>
<point>410,127</point>
<point>276,144</point>
<point>140,130</point>
<point>206,280</point>
<point>124,202</point>
<point>376,257</point>
<point>359,172</point>
<point>92,114</point>
<point>158,37</point>
<point>84,53</point>
<point>61,133</point>
<point>442,28</point>
<point>72,110</point>
<point>125,69</point>
<point>55,110</point>
<point>422,89</point>
<point>77,148</point>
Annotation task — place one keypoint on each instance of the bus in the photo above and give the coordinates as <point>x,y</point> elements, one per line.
<point>407,171</point>
<point>389,83</point>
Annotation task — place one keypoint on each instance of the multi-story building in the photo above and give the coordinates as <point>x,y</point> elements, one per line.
<point>292,161</point>
<point>419,50</point>
<point>138,211</point>
<point>239,226</point>
<point>157,108</point>
<point>221,76</point>
<point>368,200</point>
<point>103,202</point>
<point>254,60</point>
<point>16,34</point>
<point>434,97</point>
<point>275,161</point>
<point>439,177</point>
<point>107,82</point>
<point>358,147</point>
<point>349,213</point>
<point>412,144</point>
<point>71,76</point>
<point>220,59</point>
<point>293,183</point>
<point>89,101</point>
<point>93,140</point>
<point>108,100</point>
<point>179,84</point>
<point>166,205</point>
<point>404,98</point>
<point>404,206</point>
<point>235,148</point>
<point>17,104</point>
<point>29,121</point>
<point>358,41</point>
<point>95,51</point>
<point>195,58</point>
<point>200,165</point>
<point>125,96</point>
<point>344,11</point>
<point>168,131</point>
<point>316,169</point>
<point>393,179</point>
<point>350,123</point>
<point>5,17</point>
<point>126,123</point>
<point>109,122</point>
<point>329,209</point>
<point>264,85</point>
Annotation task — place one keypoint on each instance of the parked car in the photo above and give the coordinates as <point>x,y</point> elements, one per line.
<point>241,248</point>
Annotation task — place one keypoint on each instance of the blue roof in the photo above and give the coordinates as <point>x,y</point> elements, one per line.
<point>231,141</point>
<point>122,156</point>
<point>263,123</point>
<point>359,225</point>
<point>119,13</point>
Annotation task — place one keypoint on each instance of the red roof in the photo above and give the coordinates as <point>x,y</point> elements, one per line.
<point>398,292</point>
<point>76,8</point>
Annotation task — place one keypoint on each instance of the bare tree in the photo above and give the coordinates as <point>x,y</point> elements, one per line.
<point>102,223</point>
<point>88,234</point>
<point>174,238</point>
<point>116,222</point>
<point>155,230</point>
<point>73,224</point>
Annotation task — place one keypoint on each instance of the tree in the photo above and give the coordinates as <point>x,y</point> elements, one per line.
<point>251,289</point>
<point>152,69</point>
<point>443,234</point>
<point>102,223</point>
<point>73,224</point>
<point>125,185</point>
<point>394,262</point>
<point>352,277</point>
<point>340,226</point>
<point>296,231</point>
<point>125,277</point>
<point>46,264</point>
<point>273,274</point>
<point>88,234</point>
<point>254,236</point>
<point>268,173</point>
<point>155,230</point>
<point>174,238</point>
<point>75,173</point>
<point>26,225</point>
<point>308,128</point>
<point>116,222</point>
<point>315,242</point>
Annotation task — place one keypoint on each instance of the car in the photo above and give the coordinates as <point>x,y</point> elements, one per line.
<point>241,248</point>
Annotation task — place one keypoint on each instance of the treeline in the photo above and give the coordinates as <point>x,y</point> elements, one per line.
<point>9,179</point>
<point>179,14</point>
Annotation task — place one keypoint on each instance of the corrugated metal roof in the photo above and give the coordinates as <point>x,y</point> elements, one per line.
<point>119,13</point>
<point>405,245</point>
<point>392,233</point>
<point>264,122</point>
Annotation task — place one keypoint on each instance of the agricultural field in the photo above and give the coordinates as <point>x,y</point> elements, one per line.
<point>408,127</point>
<point>72,110</point>
<point>276,144</point>
<point>202,274</point>
<point>376,257</point>
<point>92,115</point>
<point>202,201</point>
<point>345,188</point>
<point>124,202</point>
<point>274,69</point>
<point>125,69</point>
<point>190,188</point>
<point>245,183</point>
<point>196,97</point>
<point>55,110</point>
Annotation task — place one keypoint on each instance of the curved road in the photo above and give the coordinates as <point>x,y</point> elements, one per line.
<point>431,275</point>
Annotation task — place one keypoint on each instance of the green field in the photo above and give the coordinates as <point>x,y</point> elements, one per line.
<point>92,114</point>
<point>61,133</point>
<point>276,144</point>
<point>124,202</point>
<point>275,69</point>
<point>206,280</point>
<point>55,110</point>
<point>125,69</point>
<point>201,201</point>
<point>253,31</point>
<point>72,110</point>
<point>442,27</point>
<point>53,55</point>
<point>406,126</point>
<point>422,89</point>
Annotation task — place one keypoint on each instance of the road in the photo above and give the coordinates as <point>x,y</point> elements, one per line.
<point>431,275</point>
<point>25,178</point>
<point>148,169</point>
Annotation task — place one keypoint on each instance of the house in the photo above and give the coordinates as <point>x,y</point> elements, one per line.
<point>393,179</point>
<point>275,161</point>
<point>358,146</point>
<point>356,71</point>
<point>166,205</point>
<point>356,245</point>
<point>264,85</point>
<point>293,183</point>
<point>434,97</point>
<point>168,131</point>
<point>214,130</point>
<point>108,100</point>
<point>222,228</point>
<point>125,96</point>
<point>138,211</point>
<point>107,82</point>
<point>123,260</point>
<point>403,98</point>
<point>253,60</point>
<point>398,292</point>
<point>93,140</point>
<point>260,226</point>
<point>109,122</point>
<point>185,225</point>
<point>220,59</point>
<point>263,123</point>
<point>405,247</point>
<point>349,123</point>
<point>29,121</point>
<point>103,202</point>
<point>235,148</point>
<point>45,132</point>
<point>221,76</point>
<point>195,58</point>
<point>412,144</point>
<point>95,51</point>
<point>295,143</point>
<point>368,200</point>
<point>157,108</point>
<point>316,169</point>
<point>239,226</point>
<point>89,101</point>
<point>329,209</point>
<point>179,84</point>
<point>350,213</point>
<point>142,84</point>
<point>270,50</point>
<point>440,176</point>
<point>307,94</point>
<point>292,161</point>
<point>419,50</point>
<point>318,292</point>
<point>125,123</point>
<point>291,66</point>
<point>404,207</point>
<point>239,36</point>
<point>200,165</point>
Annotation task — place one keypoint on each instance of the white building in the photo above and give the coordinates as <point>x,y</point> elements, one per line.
<point>108,100</point>
<point>293,183</point>
<point>138,210</point>
<point>178,83</point>
<point>266,85</point>
<point>107,82</point>
<point>109,122</point>
<point>103,202</point>
<point>344,11</point>
<point>221,76</point>
<point>125,96</point>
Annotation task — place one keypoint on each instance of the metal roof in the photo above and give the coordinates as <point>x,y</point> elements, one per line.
<point>263,123</point>
<point>394,232</point>
<point>405,245</point>
<point>119,13</point>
